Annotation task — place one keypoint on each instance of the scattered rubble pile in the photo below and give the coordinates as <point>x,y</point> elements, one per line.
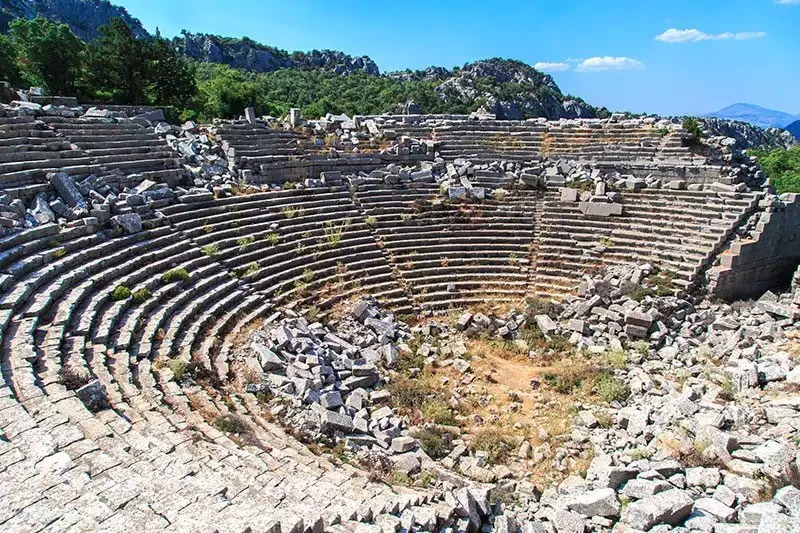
<point>705,436</point>
<point>330,377</point>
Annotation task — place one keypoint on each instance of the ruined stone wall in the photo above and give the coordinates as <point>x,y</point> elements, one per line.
<point>765,261</point>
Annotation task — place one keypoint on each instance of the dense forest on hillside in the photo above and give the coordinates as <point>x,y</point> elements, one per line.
<point>117,67</point>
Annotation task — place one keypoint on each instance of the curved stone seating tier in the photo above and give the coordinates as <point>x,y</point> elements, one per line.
<point>311,246</point>
<point>451,254</point>
<point>29,151</point>
<point>679,231</point>
<point>121,149</point>
<point>153,461</point>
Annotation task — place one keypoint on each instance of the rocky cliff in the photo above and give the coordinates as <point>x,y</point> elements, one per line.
<point>249,55</point>
<point>84,17</point>
<point>506,88</point>
<point>748,135</point>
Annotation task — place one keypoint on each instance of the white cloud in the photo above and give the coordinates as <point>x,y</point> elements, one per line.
<point>788,2</point>
<point>674,35</point>
<point>608,63</point>
<point>546,66</point>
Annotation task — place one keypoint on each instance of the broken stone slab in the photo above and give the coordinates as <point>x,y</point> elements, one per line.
<point>600,209</point>
<point>546,324</point>
<point>331,421</point>
<point>569,195</point>
<point>598,502</point>
<point>67,189</point>
<point>129,222</point>
<point>40,210</point>
<point>668,507</point>
<point>268,359</point>
<point>93,395</point>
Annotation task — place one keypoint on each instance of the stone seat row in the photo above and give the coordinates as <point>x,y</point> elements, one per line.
<point>676,230</point>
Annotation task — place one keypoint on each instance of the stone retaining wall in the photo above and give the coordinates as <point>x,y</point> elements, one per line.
<point>768,260</point>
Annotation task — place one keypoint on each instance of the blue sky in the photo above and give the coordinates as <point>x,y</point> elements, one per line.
<point>709,53</point>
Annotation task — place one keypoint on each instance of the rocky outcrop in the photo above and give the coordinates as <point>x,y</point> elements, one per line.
<point>249,55</point>
<point>84,17</point>
<point>746,135</point>
<point>537,94</point>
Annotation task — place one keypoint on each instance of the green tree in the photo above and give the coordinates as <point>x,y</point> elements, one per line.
<point>227,92</point>
<point>118,64</point>
<point>9,70</point>
<point>49,54</point>
<point>171,76</point>
<point>782,168</point>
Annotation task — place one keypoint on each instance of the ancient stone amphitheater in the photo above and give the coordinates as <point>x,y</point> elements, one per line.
<point>217,228</point>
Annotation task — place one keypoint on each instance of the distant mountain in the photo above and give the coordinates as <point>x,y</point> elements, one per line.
<point>759,116</point>
<point>794,128</point>
<point>84,17</point>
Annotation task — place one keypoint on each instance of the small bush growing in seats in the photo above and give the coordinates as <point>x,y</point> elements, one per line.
<point>210,250</point>
<point>333,232</point>
<point>141,295</point>
<point>610,388</point>
<point>244,242</point>
<point>493,442</point>
<point>231,424</point>
<point>291,212</point>
<point>271,239</point>
<point>438,412</point>
<point>433,442</point>
<point>176,274</point>
<point>121,292</point>
<point>179,367</point>
<point>59,253</point>
<point>371,221</point>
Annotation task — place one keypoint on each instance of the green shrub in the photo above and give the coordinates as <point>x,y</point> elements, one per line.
<point>271,239</point>
<point>409,393</point>
<point>782,167</point>
<point>617,359</point>
<point>371,221</point>
<point>141,295</point>
<point>244,242</point>
<point>231,423</point>
<point>179,367</point>
<point>493,442</point>
<point>438,412</point>
<point>176,274</point>
<point>610,388</point>
<point>121,292</point>
<point>564,382</point>
<point>210,250</point>
<point>433,442</point>
<point>691,125</point>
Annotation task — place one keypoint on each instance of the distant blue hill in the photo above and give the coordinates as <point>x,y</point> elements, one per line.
<point>756,115</point>
<point>794,128</point>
